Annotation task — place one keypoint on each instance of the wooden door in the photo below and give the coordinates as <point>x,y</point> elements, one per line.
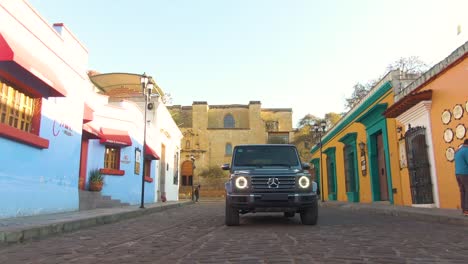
<point>382,168</point>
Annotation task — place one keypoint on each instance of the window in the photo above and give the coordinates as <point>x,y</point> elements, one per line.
<point>187,180</point>
<point>147,168</point>
<point>260,156</point>
<point>176,168</point>
<point>349,157</point>
<point>229,121</point>
<point>112,158</point>
<point>16,108</point>
<point>228,149</point>
<point>187,144</point>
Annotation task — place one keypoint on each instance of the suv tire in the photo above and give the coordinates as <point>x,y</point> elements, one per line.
<point>309,215</point>
<point>232,215</point>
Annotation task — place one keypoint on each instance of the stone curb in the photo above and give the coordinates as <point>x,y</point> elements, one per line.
<point>427,215</point>
<point>68,225</point>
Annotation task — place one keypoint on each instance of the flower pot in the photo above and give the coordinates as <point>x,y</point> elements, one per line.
<point>95,186</point>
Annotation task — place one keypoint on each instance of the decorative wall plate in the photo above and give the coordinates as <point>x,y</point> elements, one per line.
<point>450,154</point>
<point>446,116</point>
<point>460,131</point>
<point>448,135</point>
<point>457,111</point>
<point>466,106</point>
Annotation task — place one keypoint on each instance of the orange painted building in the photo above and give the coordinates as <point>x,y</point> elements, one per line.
<point>433,117</point>
<point>358,160</point>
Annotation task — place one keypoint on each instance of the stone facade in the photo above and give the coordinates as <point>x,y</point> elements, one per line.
<point>210,132</point>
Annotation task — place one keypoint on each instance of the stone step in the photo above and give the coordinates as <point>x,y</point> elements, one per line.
<point>93,200</point>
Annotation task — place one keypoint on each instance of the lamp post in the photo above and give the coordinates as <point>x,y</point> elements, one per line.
<point>147,87</point>
<point>320,129</point>
<point>192,158</point>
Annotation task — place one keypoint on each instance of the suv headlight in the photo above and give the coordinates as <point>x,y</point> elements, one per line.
<point>304,182</point>
<point>241,182</point>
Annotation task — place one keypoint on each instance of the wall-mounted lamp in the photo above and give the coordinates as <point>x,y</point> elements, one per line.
<point>362,146</point>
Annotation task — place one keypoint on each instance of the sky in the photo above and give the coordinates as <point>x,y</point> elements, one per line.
<point>299,54</point>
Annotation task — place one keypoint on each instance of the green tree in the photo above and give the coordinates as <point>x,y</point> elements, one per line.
<point>305,136</point>
<point>408,65</point>
<point>213,172</point>
<point>359,91</point>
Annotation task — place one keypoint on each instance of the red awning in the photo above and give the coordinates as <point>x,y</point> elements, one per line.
<point>407,102</point>
<point>88,115</point>
<point>151,153</point>
<point>90,132</point>
<point>115,137</point>
<point>18,64</point>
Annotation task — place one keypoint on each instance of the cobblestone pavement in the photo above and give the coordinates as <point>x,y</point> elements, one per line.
<point>197,234</point>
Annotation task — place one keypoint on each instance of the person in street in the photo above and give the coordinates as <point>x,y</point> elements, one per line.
<point>461,171</point>
<point>197,193</point>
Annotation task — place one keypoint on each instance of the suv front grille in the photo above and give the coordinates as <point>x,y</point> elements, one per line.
<point>286,183</point>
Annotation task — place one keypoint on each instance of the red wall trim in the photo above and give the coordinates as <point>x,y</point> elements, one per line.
<point>83,162</point>
<point>148,179</point>
<point>112,172</point>
<point>23,137</point>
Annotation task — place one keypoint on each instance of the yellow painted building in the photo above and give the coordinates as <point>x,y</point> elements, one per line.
<point>357,160</point>
<point>211,132</point>
<point>432,113</point>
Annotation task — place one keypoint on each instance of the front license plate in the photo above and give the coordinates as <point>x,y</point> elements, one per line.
<point>275,197</point>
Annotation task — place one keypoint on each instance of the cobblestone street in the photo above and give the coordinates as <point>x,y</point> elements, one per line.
<point>197,234</point>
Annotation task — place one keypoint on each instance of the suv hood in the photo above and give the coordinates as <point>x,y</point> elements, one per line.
<point>267,171</point>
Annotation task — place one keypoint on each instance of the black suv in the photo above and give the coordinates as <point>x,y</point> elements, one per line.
<point>269,178</point>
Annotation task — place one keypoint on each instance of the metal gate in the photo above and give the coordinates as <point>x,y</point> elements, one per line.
<point>418,166</point>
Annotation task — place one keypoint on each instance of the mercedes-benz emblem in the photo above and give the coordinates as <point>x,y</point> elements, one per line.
<point>273,183</point>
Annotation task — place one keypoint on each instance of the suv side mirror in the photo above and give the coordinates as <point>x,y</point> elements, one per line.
<point>305,166</point>
<point>226,166</point>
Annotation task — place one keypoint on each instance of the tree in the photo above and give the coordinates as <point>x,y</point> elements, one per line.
<point>359,92</point>
<point>305,137</point>
<point>212,176</point>
<point>332,118</point>
<point>410,65</point>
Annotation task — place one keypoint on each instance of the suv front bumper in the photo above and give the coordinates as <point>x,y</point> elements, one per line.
<point>280,201</point>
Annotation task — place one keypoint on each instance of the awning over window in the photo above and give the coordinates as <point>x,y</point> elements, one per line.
<point>151,153</point>
<point>19,64</point>
<point>88,114</point>
<point>90,132</point>
<point>115,137</point>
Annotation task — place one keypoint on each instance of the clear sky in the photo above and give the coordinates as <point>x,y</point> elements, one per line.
<point>299,54</point>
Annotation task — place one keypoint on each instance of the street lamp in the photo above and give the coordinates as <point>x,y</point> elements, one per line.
<point>320,129</point>
<point>192,158</point>
<point>147,87</point>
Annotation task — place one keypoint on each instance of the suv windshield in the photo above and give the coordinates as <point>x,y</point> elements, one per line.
<point>260,156</point>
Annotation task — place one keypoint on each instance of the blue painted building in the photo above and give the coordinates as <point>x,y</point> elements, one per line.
<point>42,73</point>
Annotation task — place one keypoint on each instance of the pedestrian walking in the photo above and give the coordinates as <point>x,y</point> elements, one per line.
<point>461,171</point>
<point>197,193</point>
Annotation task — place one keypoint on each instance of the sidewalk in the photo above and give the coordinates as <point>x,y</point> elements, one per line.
<point>20,229</point>
<point>438,215</point>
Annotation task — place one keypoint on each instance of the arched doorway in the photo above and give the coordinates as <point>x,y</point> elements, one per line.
<point>186,181</point>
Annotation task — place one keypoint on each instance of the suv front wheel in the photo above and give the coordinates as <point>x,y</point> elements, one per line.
<point>309,215</point>
<point>232,215</point>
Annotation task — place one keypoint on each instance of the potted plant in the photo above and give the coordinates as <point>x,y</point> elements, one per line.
<point>96,180</point>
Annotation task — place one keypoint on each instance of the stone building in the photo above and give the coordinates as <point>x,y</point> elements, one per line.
<point>211,132</point>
